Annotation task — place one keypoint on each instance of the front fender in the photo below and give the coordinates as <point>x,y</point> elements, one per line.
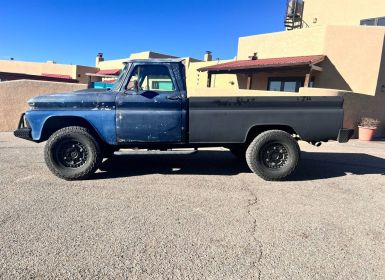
<point>103,122</point>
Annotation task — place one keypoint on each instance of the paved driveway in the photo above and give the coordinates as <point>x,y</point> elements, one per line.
<point>202,216</point>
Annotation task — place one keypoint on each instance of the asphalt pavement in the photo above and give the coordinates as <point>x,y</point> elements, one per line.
<point>200,216</point>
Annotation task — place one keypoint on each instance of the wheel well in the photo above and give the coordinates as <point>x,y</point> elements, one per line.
<point>53,124</point>
<point>256,130</point>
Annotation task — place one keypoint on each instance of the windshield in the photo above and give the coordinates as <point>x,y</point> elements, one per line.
<point>120,79</point>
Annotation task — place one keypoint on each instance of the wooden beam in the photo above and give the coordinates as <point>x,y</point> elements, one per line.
<point>316,68</point>
<point>209,79</point>
<point>249,81</point>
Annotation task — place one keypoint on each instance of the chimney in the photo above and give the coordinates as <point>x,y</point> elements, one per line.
<point>208,56</point>
<point>99,58</point>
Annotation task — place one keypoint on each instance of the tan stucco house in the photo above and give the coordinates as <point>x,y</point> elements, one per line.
<point>338,49</point>
<point>49,71</point>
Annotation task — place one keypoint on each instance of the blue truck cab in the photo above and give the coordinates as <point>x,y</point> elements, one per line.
<point>148,108</point>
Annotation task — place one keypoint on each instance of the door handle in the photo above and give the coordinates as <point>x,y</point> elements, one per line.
<point>174,97</point>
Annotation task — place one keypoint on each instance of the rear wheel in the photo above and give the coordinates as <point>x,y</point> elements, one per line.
<point>273,155</point>
<point>72,153</point>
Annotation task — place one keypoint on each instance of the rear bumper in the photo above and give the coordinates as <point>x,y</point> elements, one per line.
<point>344,135</point>
<point>23,130</point>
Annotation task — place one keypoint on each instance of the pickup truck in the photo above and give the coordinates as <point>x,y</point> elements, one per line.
<point>148,108</point>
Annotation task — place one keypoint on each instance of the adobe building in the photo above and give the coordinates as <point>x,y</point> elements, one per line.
<point>110,69</point>
<point>328,48</point>
<point>46,71</point>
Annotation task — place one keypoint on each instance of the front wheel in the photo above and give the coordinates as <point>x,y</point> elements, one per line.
<point>72,153</point>
<point>273,155</point>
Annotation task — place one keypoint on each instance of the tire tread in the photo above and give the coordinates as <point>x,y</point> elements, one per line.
<point>70,131</point>
<point>255,145</point>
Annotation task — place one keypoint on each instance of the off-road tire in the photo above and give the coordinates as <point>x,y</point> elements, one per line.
<point>259,151</point>
<point>53,153</point>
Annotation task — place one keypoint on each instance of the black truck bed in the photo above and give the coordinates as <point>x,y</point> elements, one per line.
<point>230,119</point>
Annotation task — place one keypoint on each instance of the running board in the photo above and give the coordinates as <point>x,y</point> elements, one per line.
<point>155,152</point>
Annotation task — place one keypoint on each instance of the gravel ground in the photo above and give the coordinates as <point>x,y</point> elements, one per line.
<point>202,216</point>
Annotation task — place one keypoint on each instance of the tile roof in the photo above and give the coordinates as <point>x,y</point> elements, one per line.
<point>58,76</point>
<point>265,63</point>
<point>109,72</point>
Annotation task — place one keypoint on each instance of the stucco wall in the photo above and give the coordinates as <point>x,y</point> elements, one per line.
<point>195,79</point>
<point>111,64</point>
<point>282,44</point>
<point>37,68</point>
<point>118,63</point>
<point>358,106</point>
<point>342,12</point>
<point>81,71</point>
<point>354,53</point>
<point>354,58</point>
<point>15,94</point>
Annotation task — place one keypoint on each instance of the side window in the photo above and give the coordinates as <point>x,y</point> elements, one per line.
<point>150,77</point>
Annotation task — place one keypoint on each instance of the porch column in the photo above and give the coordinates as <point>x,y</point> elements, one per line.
<point>308,76</point>
<point>307,79</point>
<point>249,81</point>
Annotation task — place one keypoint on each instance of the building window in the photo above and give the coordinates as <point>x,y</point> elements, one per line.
<point>374,21</point>
<point>381,21</point>
<point>289,84</point>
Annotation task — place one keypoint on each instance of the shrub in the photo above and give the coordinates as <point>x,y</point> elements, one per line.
<point>369,123</point>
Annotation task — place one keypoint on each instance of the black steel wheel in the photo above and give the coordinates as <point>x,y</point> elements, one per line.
<point>72,153</point>
<point>273,155</point>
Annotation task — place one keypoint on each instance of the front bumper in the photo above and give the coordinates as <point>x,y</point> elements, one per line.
<point>344,135</point>
<point>23,130</point>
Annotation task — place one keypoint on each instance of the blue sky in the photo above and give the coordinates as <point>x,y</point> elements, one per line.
<point>74,31</point>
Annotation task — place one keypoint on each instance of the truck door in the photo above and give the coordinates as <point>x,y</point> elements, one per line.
<point>149,107</point>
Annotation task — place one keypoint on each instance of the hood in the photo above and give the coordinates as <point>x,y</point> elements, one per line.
<point>82,99</point>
